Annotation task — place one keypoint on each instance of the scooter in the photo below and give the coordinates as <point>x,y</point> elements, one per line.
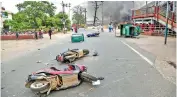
<point>48,79</point>
<point>71,55</point>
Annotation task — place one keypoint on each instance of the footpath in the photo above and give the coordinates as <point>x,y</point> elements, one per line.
<point>13,48</point>
<point>165,54</point>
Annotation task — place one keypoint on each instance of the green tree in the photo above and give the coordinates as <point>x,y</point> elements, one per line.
<point>78,16</point>
<point>36,14</point>
<point>37,11</point>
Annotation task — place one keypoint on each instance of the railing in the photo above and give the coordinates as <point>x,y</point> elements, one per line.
<point>144,11</point>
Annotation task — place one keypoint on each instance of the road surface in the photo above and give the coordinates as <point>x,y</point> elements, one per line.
<point>127,73</point>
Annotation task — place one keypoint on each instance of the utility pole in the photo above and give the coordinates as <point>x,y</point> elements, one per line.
<point>69,5</point>
<point>64,20</point>
<point>102,12</point>
<point>166,28</point>
<point>85,16</point>
<point>96,7</point>
<point>147,8</point>
<point>110,18</point>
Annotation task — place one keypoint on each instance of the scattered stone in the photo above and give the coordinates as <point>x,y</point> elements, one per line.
<point>13,70</point>
<point>95,53</point>
<point>2,88</point>
<point>3,72</point>
<point>100,78</point>
<point>39,49</point>
<point>126,72</point>
<point>46,63</point>
<point>117,59</point>
<point>172,63</point>
<point>38,62</point>
<point>3,49</point>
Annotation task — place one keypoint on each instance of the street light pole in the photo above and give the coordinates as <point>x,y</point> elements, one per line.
<point>102,12</point>
<point>85,16</point>
<point>166,28</point>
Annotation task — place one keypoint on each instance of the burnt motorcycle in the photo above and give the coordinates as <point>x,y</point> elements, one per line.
<point>71,55</point>
<point>48,79</point>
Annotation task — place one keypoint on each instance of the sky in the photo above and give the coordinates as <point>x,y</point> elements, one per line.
<point>10,4</point>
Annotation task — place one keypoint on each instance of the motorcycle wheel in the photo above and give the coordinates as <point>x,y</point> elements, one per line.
<point>85,51</point>
<point>87,77</point>
<point>39,86</point>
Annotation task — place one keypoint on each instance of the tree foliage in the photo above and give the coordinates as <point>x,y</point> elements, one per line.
<point>36,15</point>
<point>78,16</point>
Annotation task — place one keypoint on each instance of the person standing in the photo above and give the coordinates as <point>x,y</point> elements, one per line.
<point>109,26</point>
<point>17,35</point>
<point>50,33</point>
<point>36,36</point>
<point>40,34</point>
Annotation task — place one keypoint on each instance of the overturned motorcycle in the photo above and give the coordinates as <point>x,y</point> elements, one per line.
<point>46,80</point>
<point>71,55</point>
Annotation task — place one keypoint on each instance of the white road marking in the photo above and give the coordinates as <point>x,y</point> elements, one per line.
<point>146,59</point>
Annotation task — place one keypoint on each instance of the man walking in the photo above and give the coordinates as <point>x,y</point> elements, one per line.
<point>50,33</point>
<point>17,35</point>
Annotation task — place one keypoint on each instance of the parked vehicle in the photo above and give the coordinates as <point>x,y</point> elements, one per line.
<point>71,55</point>
<point>96,34</point>
<point>48,79</point>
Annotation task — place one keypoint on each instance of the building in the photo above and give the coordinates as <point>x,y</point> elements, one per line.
<point>153,17</point>
<point>5,15</point>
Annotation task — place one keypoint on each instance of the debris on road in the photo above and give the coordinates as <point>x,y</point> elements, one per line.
<point>95,53</point>
<point>38,61</point>
<point>39,49</point>
<point>2,88</point>
<point>172,63</point>
<point>13,70</point>
<point>100,78</point>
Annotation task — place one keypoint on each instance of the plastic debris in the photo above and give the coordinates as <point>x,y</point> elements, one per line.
<point>38,62</point>
<point>95,53</point>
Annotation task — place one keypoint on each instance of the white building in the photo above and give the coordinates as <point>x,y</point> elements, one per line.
<point>4,15</point>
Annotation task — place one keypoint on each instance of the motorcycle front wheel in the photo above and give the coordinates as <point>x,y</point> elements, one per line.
<point>85,51</point>
<point>39,86</point>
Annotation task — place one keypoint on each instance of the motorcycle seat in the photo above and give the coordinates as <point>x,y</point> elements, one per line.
<point>55,69</point>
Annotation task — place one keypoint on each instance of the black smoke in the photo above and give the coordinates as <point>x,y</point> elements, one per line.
<point>118,11</point>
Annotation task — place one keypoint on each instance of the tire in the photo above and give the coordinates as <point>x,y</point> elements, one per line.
<point>87,77</point>
<point>85,51</point>
<point>44,86</point>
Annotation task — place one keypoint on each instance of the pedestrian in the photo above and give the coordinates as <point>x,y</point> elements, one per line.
<point>75,29</point>
<point>40,34</point>
<point>50,33</point>
<point>102,30</point>
<point>109,27</point>
<point>35,34</point>
<point>17,35</point>
<point>72,29</point>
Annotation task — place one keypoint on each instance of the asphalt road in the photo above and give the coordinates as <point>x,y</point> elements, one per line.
<point>126,73</point>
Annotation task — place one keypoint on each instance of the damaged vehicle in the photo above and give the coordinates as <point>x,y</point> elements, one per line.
<point>95,34</point>
<point>71,55</point>
<point>45,80</point>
